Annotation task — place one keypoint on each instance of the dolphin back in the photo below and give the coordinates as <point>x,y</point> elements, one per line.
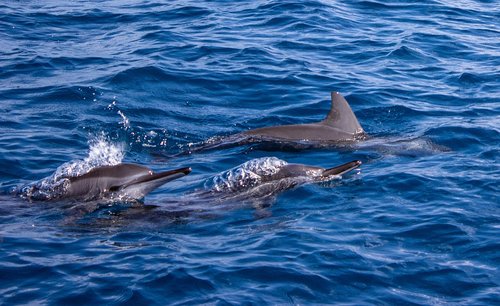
<point>341,116</point>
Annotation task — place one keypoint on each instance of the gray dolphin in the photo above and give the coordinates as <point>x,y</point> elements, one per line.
<point>268,176</point>
<point>339,125</point>
<point>131,181</point>
<point>121,182</point>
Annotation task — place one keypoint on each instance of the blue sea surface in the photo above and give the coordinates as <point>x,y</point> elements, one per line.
<point>88,83</point>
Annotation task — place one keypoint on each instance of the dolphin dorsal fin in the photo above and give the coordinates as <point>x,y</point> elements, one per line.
<point>341,116</point>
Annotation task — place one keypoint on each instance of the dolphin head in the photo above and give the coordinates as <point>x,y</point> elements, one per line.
<point>339,170</point>
<point>315,173</point>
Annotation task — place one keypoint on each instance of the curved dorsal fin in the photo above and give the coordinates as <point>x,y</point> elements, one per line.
<point>341,116</point>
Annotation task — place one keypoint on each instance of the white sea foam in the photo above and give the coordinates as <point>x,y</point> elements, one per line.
<point>102,152</point>
<point>246,175</point>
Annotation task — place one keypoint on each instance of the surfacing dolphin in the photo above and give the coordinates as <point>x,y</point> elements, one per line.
<point>339,127</point>
<point>122,181</point>
<point>264,177</point>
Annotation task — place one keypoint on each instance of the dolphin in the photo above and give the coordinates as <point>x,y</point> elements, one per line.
<point>123,181</point>
<point>264,177</point>
<point>340,125</point>
<point>131,181</point>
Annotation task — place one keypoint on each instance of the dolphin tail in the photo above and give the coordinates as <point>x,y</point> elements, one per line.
<point>141,186</point>
<point>339,170</point>
<point>341,116</point>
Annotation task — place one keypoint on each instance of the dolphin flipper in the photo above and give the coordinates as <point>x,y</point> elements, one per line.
<point>341,116</point>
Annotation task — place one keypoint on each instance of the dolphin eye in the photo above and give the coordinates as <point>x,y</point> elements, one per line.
<point>114,188</point>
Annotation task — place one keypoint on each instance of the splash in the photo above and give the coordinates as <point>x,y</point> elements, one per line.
<point>125,122</point>
<point>247,175</point>
<point>136,136</point>
<point>102,152</point>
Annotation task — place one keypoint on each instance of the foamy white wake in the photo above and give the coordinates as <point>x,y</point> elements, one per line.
<point>102,152</point>
<point>246,175</point>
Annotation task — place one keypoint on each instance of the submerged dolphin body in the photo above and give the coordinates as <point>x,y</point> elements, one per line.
<point>340,125</point>
<point>123,180</point>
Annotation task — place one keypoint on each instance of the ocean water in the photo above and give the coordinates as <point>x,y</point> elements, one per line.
<point>84,84</point>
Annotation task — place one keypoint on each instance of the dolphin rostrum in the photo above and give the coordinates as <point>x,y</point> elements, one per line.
<point>316,173</point>
<point>122,181</point>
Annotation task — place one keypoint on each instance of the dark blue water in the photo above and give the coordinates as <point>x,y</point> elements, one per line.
<point>88,84</point>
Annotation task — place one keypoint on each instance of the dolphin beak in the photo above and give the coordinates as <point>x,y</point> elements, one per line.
<point>141,186</point>
<point>339,170</point>
<point>155,180</point>
<point>172,174</point>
